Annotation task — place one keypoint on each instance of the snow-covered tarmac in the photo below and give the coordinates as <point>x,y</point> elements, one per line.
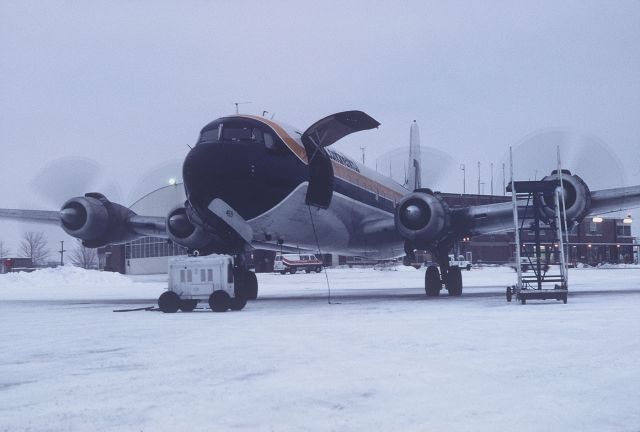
<point>381,357</point>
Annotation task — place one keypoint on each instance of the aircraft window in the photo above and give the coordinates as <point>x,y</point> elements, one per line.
<point>273,144</point>
<point>211,134</point>
<point>268,141</point>
<point>237,134</point>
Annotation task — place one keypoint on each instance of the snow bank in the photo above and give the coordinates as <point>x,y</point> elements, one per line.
<point>68,283</point>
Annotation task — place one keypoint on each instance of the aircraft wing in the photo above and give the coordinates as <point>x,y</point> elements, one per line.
<point>41,216</point>
<point>127,222</point>
<point>424,218</point>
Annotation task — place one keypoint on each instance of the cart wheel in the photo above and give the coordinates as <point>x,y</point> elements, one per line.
<point>239,301</point>
<point>251,287</point>
<point>188,305</point>
<point>564,299</point>
<point>169,302</point>
<point>219,301</point>
<point>509,294</point>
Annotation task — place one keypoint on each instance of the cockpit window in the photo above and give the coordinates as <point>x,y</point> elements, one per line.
<point>230,133</point>
<point>211,134</point>
<point>233,130</point>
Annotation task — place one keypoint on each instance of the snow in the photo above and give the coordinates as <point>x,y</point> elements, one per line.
<point>381,357</point>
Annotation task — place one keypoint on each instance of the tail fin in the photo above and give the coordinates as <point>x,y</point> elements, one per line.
<point>414,176</point>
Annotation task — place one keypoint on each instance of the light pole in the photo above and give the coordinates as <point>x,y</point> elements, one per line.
<point>464,178</point>
<point>61,251</point>
<point>491,178</point>
<point>478,177</point>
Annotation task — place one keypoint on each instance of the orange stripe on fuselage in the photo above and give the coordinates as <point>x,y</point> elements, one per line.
<point>289,141</point>
<point>354,177</point>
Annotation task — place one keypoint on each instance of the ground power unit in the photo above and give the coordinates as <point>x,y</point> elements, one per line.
<point>212,280</point>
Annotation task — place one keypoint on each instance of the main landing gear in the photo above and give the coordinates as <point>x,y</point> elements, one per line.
<point>451,280</point>
<point>443,275</point>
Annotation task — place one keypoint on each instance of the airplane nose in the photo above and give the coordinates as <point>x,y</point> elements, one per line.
<point>205,173</point>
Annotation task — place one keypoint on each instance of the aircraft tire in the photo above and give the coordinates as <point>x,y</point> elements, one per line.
<point>432,283</point>
<point>219,301</point>
<point>188,305</point>
<point>169,302</point>
<point>454,281</point>
<point>239,301</point>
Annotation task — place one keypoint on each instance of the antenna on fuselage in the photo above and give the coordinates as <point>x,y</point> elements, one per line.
<point>240,103</point>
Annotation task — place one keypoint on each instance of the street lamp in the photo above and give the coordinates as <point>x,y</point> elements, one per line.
<point>597,219</point>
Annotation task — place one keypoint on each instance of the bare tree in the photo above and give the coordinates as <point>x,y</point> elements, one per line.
<point>84,257</point>
<point>34,245</point>
<point>4,252</point>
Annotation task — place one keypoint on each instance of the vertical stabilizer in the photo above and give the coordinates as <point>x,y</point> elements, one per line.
<point>414,175</point>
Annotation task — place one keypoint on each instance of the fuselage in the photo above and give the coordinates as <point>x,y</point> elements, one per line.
<point>261,169</point>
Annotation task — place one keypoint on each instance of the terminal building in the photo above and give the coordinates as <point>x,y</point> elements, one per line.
<point>594,241</point>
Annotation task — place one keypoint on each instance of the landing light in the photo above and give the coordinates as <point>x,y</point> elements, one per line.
<point>597,219</point>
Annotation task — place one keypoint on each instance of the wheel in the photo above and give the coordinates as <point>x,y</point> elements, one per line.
<point>307,271</point>
<point>188,305</point>
<point>523,301</point>
<point>432,282</point>
<point>454,281</point>
<point>293,270</point>
<point>509,294</point>
<point>469,267</point>
<point>169,302</point>
<point>219,301</point>
<point>564,299</point>
<point>318,269</point>
<point>247,283</point>
<point>283,272</point>
<point>239,301</point>
<point>252,285</point>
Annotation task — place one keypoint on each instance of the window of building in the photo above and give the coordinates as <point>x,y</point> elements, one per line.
<point>210,275</point>
<point>595,227</point>
<point>181,275</point>
<point>189,276</point>
<point>203,277</point>
<point>623,230</point>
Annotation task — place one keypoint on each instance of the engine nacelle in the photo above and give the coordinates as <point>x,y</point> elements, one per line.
<point>577,197</point>
<point>96,220</point>
<point>422,217</point>
<point>183,232</point>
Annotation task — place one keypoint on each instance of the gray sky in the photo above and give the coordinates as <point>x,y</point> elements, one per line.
<point>130,84</point>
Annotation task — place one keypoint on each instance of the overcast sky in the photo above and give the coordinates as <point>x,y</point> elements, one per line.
<point>129,84</point>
